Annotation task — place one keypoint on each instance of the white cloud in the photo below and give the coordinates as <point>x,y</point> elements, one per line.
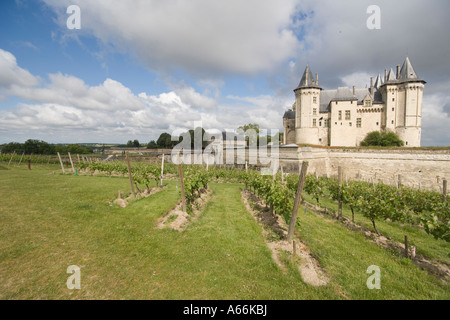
<point>199,36</point>
<point>435,120</point>
<point>70,90</point>
<point>358,79</point>
<point>11,74</point>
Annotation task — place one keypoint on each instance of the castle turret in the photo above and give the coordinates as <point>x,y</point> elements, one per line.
<point>402,95</point>
<point>410,90</point>
<point>307,105</point>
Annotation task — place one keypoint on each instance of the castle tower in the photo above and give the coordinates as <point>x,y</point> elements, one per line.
<point>389,91</point>
<point>404,97</point>
<point>307,104</point>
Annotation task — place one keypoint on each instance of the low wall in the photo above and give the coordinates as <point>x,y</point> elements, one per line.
<point>418,168</point>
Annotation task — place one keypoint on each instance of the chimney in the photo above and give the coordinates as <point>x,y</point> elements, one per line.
<point>317,79</point>
<point>354,91</point>
<point>398,71</point>
<point>385,75</point>
<point>371,85</point>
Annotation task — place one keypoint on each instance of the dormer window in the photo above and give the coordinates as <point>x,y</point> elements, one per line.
<point>368,103</point>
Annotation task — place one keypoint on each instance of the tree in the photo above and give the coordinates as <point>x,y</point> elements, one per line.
<point>246,127</point>
<point>13,147</point>
<point>385,139</point>
<point>136,143</point>
<point>391,139</point>
<point>251,132</point>
<point>199,132</point>
<point>32,146</point>
<point>152,145</point>
<point>165,141</point>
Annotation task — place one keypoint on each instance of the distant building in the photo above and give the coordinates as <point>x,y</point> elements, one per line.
<point>344,116</point>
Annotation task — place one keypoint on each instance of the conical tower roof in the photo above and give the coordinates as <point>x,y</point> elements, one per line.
<point>407,71</point>
<point>378,82</point>
<point>391,77</point>
<point>307,80</point>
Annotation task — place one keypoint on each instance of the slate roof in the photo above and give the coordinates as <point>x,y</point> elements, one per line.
<point>307,80</point>
<point>290,114</point>
<point>345,94</point>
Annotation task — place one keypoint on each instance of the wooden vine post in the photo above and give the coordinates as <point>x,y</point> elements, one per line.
<point>183,197</point>
<point>20,161</point>
<point>340,175</point>
<point>12,155</point>
<point>60,161</point>
<point>444,190</point>
<point>71,162</point>
<point>298,198</point>
<point>406,246</point>
<point>130,176</point>
<point>162,171</point>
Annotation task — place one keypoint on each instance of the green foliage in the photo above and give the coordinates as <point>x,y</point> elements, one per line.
<point>314,186</point>
<point>152,145</point>
<point>32,146</point>
<point>384,139</point>
<point>165,141</point>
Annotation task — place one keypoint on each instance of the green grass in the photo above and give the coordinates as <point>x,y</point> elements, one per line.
<point>425,244</point>
<point>346,255</point>
<point>52,221</point>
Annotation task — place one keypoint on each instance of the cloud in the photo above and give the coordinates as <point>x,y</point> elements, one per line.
<point>337,41</point>
<point>70,90</point>
<point>11,74</point>
<point>199,36</point>
<point>435,120</point>
<point>358,79</point>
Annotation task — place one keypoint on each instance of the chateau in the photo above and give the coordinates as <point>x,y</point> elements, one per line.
<point>344,116</point>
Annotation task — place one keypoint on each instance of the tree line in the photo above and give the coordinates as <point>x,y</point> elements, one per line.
<point>32,146</point>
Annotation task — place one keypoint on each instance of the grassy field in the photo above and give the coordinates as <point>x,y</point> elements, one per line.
<point>51,221</point>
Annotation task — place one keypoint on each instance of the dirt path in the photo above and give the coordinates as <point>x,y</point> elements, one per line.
<point>177,219</point>
<point>275,232</point>
<point>144,194</point>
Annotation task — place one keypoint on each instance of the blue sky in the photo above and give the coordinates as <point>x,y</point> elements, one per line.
<point>136,69</point>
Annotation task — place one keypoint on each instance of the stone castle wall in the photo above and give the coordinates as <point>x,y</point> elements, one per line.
<point>424,168</point>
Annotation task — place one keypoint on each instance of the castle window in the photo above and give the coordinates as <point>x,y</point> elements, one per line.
<point>349,124</point>
<point>367,103</point>
<point>340,115</point>
<point>314,111</point>
<point>393,99</point>
<point>358,122</point>
<point>377,123</point>
<point>392,121</point>
<point>314,99</point>
<point>347,115</point>
<point>320,123</point>
<point>392,109</point>
<point>314,123</point>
